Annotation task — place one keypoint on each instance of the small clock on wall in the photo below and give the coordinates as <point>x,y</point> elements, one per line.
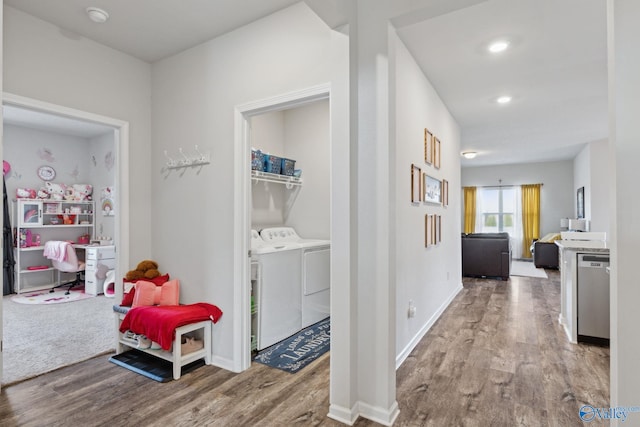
<point>46,173</point>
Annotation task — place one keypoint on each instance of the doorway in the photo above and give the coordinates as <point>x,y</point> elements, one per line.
<point>27,113</point>
<point>243,204</point>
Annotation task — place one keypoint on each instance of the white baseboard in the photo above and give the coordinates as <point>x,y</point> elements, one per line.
<point>224,363</point>
<point>343,415</point>
<point>423,331</point>
<point>384,416</point>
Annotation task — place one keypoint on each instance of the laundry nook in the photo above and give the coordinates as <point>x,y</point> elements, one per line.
<point>290,245</point>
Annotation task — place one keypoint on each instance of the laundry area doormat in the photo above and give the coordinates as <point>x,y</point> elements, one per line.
<point>150,366</point>
<point>299,350</point>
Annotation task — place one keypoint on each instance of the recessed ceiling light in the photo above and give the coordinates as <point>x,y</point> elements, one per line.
<point>97,15</point>
<point>498,46</point>
<point>469,154</point>
<point>503,99</point>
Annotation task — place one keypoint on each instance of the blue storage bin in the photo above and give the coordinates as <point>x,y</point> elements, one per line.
<point>257,160</point>
<point>287,167</point>
<point>272,164</point>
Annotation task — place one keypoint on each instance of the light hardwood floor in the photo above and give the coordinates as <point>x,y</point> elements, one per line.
<point>496,357</point>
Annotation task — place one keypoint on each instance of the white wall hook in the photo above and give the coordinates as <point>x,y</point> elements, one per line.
<point>187,161</point>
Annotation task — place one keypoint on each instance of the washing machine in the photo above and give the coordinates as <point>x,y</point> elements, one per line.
<point>315,267</point>
<point>277,293</point>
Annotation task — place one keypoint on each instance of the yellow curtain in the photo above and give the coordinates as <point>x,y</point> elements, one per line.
<point>469,209</point>
<point>530,216</point>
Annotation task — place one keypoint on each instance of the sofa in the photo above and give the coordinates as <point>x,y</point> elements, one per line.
<point>545,251</point>
<point>486,255</point>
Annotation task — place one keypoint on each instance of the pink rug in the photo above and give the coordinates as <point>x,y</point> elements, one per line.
<point>46,297</point>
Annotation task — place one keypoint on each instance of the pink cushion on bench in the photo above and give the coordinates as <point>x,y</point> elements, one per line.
<point>147,293</point>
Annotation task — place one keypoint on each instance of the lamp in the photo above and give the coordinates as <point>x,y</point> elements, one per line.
<point>469,154</point>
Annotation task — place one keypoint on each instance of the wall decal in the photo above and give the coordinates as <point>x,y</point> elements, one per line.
<point>46,154</point>
<point>109,160</point>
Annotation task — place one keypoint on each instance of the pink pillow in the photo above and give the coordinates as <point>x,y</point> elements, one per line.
<point>147,293</point>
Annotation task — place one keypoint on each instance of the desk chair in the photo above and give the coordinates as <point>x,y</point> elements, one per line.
<point>64,259</point>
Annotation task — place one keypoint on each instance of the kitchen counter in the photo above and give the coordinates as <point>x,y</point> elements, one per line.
<point>569,250</point>
<point>584,245</point>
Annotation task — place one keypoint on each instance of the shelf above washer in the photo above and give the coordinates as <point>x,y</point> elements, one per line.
<point>288,181</point>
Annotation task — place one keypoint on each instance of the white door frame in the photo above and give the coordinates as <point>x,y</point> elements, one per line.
<point>121,140</point>
<point>242,206</point>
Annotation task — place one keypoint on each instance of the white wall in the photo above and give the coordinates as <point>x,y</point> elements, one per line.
<point>592,171</point>
<point>268,199</point>
<point>102,157</point>
<point>429,277</point>
<point>301,134</point>
<point>27,149</point>
<point>307,139</point>
<point>194,97</point>
<point>557,197</point>
<point>44,63</point>
<point>624,105</point>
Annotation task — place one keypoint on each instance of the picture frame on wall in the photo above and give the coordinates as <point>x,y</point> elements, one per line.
<point>445,192</point>
<point>438,229</point>
<point>416,184</point>
<point>580,202</point>
<point>428,230</point>
<point>436,153</point>
<point>428,146</point>
<point>432,190</point>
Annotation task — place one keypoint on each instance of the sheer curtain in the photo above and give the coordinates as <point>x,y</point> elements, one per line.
<point>470,209</point>
<point>499,209</point>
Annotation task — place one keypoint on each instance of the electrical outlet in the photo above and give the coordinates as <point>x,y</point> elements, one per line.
<point>412,310</point>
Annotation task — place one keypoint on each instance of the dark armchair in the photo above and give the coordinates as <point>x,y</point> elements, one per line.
<point>486,255</point>
<point>545,254</point>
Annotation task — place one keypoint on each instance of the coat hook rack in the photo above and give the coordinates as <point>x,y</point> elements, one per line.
<point>187,161</point>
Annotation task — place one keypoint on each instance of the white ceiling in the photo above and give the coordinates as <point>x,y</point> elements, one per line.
<point>555,69</point>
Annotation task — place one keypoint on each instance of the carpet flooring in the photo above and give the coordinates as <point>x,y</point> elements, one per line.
<point>43,337</point>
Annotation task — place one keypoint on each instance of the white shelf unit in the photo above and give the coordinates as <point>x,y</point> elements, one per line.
<point>288,181</point>
<point>292,183</point>
<point>45,220</point>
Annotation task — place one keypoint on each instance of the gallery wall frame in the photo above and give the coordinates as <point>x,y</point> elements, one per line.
<point>416,184</point>
<point>428,146</point>
<point>445,193</point>
<point>436,153</point>
<point>432,230</point>
<point>432,189</point>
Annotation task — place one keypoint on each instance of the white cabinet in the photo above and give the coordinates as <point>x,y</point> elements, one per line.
<point>99,260</point>
<point>38,221</point>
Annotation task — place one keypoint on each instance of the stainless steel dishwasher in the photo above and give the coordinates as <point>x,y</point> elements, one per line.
<point>593,298</point>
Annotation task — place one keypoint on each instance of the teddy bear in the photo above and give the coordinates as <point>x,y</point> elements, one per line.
<point>56,191</point>
<point>43,193</point>
<point>146,269</point>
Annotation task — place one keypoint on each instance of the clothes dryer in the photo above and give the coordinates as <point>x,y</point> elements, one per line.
<point>315,268</point>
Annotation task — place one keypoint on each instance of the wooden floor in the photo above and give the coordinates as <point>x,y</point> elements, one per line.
<point>496,357</point>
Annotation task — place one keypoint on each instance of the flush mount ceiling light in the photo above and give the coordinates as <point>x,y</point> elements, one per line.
<point>97,15</point>
<point>469,154</point>
<point>505,99</point>
<point>498,46</point>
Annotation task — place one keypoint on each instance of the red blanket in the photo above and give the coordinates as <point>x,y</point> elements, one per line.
<point>159,323</point>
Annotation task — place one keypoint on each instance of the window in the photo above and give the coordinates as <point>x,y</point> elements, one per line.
<point>498,210</point>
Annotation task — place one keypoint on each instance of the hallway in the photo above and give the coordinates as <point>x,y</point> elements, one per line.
<point>497,357</point>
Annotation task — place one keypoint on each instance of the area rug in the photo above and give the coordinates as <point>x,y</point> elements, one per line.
<point>527,269</point>
<point>150,366</point>
<point>46,297</point>
<point>299,350</point>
